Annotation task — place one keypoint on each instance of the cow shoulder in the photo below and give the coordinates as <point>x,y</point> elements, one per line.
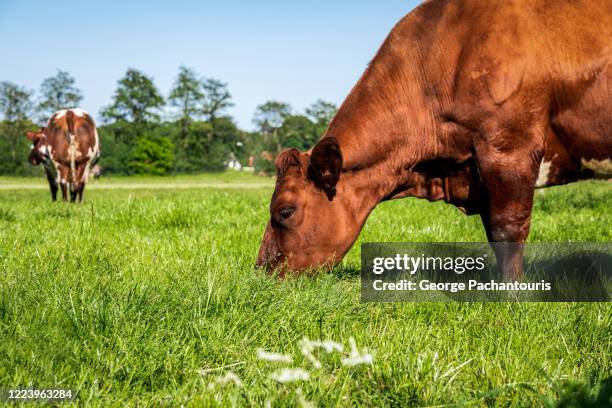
<point>498,57</point>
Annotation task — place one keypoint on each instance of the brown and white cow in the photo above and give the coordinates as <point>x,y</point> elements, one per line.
<point>475,102</point>
<point>67,148</point>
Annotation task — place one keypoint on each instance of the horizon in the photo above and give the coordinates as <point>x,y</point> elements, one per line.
<point>296,53</point>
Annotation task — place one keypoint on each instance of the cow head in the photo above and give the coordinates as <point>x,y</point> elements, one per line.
<point>310,218</point>
<point>39,152</point>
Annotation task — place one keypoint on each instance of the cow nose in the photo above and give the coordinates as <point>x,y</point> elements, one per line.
<point>268,260</point>
<point>268,251</point>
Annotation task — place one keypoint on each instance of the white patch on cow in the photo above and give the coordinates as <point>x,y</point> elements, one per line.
<point>599,167</point>
<point>72,153</point>
<point>97,143</point>
<point>46,150</point>
<point>79,154</point>
<point>80,112</point>
<point>92,153</point>
<point>543,174</point>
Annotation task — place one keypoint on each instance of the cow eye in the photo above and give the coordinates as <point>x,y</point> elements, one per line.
<point>286,212</point>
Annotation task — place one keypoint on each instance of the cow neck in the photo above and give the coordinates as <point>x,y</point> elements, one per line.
<point>377,159</point>
<point>383,130</point>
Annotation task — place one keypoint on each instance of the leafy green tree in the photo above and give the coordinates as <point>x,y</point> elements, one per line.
<point>279,129</point>
<point>187,96</point>
<point>321,112</point>
<point>190,150</point>
<point>15,102</point>
<point>231,138</point>
<point>136,100</point>
<point>226,132</point>
<point>58,92</point>
<point>15,107</point>
<point>269,117</point>
<point>223,137</point>
<point>203,154</point>
<point>117,140</point>
<point>152,155</point>
<point>217,157</point>
<point>298,131</point>
<point>217,99</point>
<point>15,147</point>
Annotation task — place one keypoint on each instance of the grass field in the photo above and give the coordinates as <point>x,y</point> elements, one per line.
<point>147,296</point>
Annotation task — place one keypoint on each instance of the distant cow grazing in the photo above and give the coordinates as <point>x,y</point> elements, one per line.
<point>67,148</point>
<point>474,102</point>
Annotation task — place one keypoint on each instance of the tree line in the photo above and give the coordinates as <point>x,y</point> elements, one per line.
<point>144,132</point>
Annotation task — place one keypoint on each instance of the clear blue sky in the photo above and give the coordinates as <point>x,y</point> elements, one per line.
<point>283,50</point>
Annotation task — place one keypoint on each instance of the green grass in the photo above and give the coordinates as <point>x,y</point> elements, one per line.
<point>182,179</point>
<point>128,297</point>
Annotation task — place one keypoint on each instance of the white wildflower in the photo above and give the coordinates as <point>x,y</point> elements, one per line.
<point>273,357</point>
<point>228,378</point>
<point>356,357</point>
<point>327,345</point>
<point>287,375</point>
<point>357,360</point>
<point>307,348</point>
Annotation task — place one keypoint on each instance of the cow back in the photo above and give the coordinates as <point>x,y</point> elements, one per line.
<point>81,126</point>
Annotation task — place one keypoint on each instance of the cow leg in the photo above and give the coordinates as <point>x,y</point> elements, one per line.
<point>64,187</point>
<point>63,181</point>
<point>78,191</point>
<point>82,173</point>
<point>509,179</point>
<point>74,188</point>
<point>52,184</point>
<point>73,192</point>
<point>506,241</point>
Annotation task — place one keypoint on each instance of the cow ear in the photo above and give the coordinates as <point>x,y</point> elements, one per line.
<point>287,159</point>
<point>32,135</point>
<point>326,166</point>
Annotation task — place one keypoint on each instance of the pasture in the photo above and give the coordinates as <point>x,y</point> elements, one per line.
<point>146,294</point>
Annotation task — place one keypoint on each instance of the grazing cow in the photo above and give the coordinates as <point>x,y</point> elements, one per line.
<point>474,102</point>
<point>67,148</point>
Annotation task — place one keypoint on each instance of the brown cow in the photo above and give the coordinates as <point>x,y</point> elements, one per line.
<point>68,148</point>
<point>474,102</point>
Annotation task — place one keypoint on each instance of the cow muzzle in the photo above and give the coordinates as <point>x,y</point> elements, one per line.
<point>270,255</point>
<point>34,161</point>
